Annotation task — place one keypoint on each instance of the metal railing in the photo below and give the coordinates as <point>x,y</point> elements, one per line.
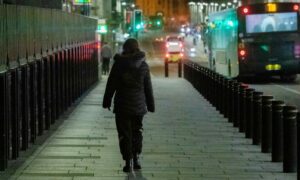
<point>48,58</point>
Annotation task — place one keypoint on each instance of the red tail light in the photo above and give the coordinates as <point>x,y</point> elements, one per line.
<point>181,45</point>
<point>296,7</point>
<point>167,45</point>
<point>245,10</point>
<point>242,53</point>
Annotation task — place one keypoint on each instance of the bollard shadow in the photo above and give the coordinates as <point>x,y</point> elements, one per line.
<point>136,175</point>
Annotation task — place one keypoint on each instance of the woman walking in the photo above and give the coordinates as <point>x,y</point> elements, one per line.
<point>130,83</point>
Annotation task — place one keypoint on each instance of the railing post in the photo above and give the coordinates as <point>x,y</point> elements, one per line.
<point>25,106</point>
<point>277,131</point>
<point>289,139</point>
<point>53,89</point>
<point>47,92</point>
<point>33,101</point>
<point>257,117</point>
<point>3,123</point>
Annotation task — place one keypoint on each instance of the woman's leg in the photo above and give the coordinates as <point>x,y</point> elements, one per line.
<point>137,140</point>
<point>137,136</point>
<point>123,123</point>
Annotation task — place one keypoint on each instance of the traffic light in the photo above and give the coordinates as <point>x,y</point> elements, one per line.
<point>158,23</point>
<point>138,20</point>
<point>102,28</point>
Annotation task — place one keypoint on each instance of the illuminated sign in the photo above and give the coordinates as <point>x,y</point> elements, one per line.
<point>271,7</point>
<point>82,2</point>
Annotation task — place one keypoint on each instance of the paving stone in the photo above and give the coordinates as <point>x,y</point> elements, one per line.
<point>25,177</point>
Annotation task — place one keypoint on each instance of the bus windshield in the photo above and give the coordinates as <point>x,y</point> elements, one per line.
<point>271,22</point>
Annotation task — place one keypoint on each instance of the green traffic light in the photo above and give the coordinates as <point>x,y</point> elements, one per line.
<point>158,23</point>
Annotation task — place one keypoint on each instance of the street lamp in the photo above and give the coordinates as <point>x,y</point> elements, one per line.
<point>192,3</point>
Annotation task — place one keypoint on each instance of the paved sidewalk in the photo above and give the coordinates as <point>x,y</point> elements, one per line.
<point>185,139</point>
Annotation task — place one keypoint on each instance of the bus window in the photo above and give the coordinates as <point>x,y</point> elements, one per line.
<point>272,22</point>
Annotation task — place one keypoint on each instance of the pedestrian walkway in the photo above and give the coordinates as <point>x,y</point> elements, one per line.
<point>186,138</point>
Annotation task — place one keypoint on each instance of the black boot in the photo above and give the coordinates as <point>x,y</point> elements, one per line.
<point>128,166</point>
<point>136,163</point>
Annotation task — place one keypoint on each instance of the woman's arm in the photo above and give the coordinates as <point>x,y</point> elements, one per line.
<point>149,91</point>
<point>111,87</point>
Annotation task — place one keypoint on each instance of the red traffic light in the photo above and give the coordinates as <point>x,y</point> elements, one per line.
<point>245,10</point>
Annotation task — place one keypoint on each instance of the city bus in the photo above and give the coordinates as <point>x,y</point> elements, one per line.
<point>257,39</point>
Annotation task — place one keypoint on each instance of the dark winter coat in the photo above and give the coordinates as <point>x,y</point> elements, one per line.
<point>130,84</point>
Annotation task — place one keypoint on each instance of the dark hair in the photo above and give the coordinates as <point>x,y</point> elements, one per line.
<point>130,46</point>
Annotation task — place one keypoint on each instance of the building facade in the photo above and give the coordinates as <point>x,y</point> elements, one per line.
<point>173,10</point>
<point>53,4</point>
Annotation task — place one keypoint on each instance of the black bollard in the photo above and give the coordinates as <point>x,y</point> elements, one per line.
<point>242,105</point>
<point>249,112</point>
<point>257,117</point>
<point>215,89</point>
<point>298,149</point>
<point>205,84</point>
<point>180,68</point>
<point>289,139</point>
<point>277,131</point>
<point>227,100</point>
<point>230,99</point>
<point>236,107</point>
<point>224,100</point>
<point>166,68</point>
<point>266,126</point>
<point>232,104</point>
<point>220,93</point>
<point>210,86</point>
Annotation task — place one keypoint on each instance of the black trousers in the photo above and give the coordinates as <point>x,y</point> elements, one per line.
<point>130,128</point>
<point>105,65</point>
